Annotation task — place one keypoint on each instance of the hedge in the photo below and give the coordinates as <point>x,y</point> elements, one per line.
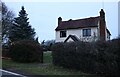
<point>26,51</point>
<point>96,57</point>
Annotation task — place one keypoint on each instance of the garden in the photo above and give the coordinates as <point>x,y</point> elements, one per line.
<point>74,58</point>
<point>36,68</point>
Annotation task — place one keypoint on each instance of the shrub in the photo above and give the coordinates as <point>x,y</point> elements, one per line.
<point>5,51</point>
<point>26,51</point>
<point>71,55</point>
<point>95,57</point>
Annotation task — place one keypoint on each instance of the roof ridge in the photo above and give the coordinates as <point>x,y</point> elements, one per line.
<point>81,19</point>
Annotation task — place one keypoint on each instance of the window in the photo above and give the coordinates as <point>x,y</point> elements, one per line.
<point>62,33</point>
<point>86,32</point>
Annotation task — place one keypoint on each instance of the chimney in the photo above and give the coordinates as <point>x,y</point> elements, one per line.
<point>59,20</point>
<point>102,25</point>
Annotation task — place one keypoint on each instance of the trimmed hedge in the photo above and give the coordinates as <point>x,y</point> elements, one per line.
<point>96,57</point>
<point>26,51</point>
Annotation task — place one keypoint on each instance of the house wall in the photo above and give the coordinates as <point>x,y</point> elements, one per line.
<point>57,38</point>
<point>79,34</point>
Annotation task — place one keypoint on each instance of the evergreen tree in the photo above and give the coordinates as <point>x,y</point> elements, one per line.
<point>21,29</point>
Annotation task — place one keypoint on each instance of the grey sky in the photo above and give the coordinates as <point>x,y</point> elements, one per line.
<point>119,18</point>
<point>43,15</point>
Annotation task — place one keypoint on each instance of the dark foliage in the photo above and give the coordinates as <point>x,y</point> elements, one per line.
<point>7,22</point>
<point>21,29</point>
<point>5,52</point>
<point>26,51</point>
<point>97,57</point>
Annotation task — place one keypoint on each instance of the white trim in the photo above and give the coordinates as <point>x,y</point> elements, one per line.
<point>12,73</point>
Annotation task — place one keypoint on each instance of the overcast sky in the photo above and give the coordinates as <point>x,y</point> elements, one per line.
<point>43,16</point>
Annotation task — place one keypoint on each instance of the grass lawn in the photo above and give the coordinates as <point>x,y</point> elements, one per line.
<point>47,68</point>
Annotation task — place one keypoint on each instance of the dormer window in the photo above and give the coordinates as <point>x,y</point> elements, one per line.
<point>86,32</point>
<point>62,34</point>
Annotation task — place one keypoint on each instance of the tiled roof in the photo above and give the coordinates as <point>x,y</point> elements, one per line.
<point>80,23</point>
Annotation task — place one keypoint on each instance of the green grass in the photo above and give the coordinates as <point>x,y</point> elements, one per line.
<point>47,57</point>
<point>47,68</point>
<point>40,69</point>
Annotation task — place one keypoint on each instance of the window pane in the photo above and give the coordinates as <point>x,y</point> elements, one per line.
<point>89,32</point>
<point>62,33</point>
<point>86,32</point>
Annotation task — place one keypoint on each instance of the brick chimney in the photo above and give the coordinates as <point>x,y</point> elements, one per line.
<point>59,20</point>
<point>102,25</point>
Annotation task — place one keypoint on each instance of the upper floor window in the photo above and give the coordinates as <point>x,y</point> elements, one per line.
<point>86,32</point>
<point>62,33</point>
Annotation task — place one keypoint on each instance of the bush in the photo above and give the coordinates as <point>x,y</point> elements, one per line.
<point>5,51</point>
<point>95,57</point>
<point>72,55</point>
<point>26,51</point>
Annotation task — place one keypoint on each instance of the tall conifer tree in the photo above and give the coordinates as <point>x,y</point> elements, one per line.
<point>21,29</point>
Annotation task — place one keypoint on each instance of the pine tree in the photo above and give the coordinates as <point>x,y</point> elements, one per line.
<point>21,29</point>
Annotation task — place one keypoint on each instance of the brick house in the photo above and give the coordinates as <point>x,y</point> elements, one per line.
<point>87,29</point>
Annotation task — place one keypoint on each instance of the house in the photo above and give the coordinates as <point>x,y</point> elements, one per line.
<point>87,29</point>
